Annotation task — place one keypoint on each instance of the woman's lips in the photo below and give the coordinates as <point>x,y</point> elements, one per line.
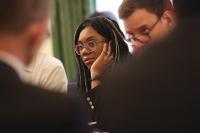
<point>88,61</point>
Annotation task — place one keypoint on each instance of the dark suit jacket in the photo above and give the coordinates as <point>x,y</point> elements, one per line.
<point>158,91</point>
<point>27,108</point>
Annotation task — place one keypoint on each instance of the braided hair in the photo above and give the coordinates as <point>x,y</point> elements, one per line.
<point>110,30</point>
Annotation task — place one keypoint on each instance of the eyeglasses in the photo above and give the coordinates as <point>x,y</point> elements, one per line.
<point>143,34</point>
<point>90,46</point>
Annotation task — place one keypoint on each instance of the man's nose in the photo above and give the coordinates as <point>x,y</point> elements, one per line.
<point>137,45</point>
<point>141,39</point>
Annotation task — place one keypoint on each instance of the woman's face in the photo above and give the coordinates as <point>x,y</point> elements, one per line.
<point>90,45</point>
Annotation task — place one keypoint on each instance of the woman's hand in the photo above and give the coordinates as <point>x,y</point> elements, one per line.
<point>103,62</point>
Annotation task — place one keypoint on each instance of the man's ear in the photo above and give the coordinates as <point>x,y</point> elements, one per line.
<point>169,18</point>
<point>38,32</point>
<point>35,36</point>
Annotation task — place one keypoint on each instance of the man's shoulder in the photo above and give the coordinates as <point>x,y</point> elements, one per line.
<point>24,104</point>
<point>7,72</point>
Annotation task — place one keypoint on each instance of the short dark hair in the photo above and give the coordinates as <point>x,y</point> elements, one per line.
<point>17,15</point>
<point>156,7</point>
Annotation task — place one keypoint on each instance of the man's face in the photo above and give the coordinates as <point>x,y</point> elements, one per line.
<point>143,27</point>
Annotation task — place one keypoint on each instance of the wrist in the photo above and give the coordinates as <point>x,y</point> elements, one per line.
<point>95,83</point>
<point>93,78</point>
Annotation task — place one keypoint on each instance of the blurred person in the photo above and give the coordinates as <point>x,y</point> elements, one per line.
<point>47,72</point>
<point>158,91</point>
<point>146,21</point>
<point>25,108</point>
<point>99,46</point>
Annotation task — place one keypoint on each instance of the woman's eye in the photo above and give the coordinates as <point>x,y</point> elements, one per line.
<point>79,47</point>
<point>91,44</point>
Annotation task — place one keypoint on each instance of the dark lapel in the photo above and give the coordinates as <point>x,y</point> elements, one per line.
<point>7,74</point>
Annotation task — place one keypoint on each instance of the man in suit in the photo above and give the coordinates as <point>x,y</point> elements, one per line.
<point>25,108</point>
<point>158,91</point>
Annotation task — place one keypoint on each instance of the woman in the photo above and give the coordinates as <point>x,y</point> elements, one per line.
<point>99,45</point>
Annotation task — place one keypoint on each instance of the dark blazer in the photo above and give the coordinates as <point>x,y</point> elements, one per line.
<point>27,108</point>
<point>158,91</point>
